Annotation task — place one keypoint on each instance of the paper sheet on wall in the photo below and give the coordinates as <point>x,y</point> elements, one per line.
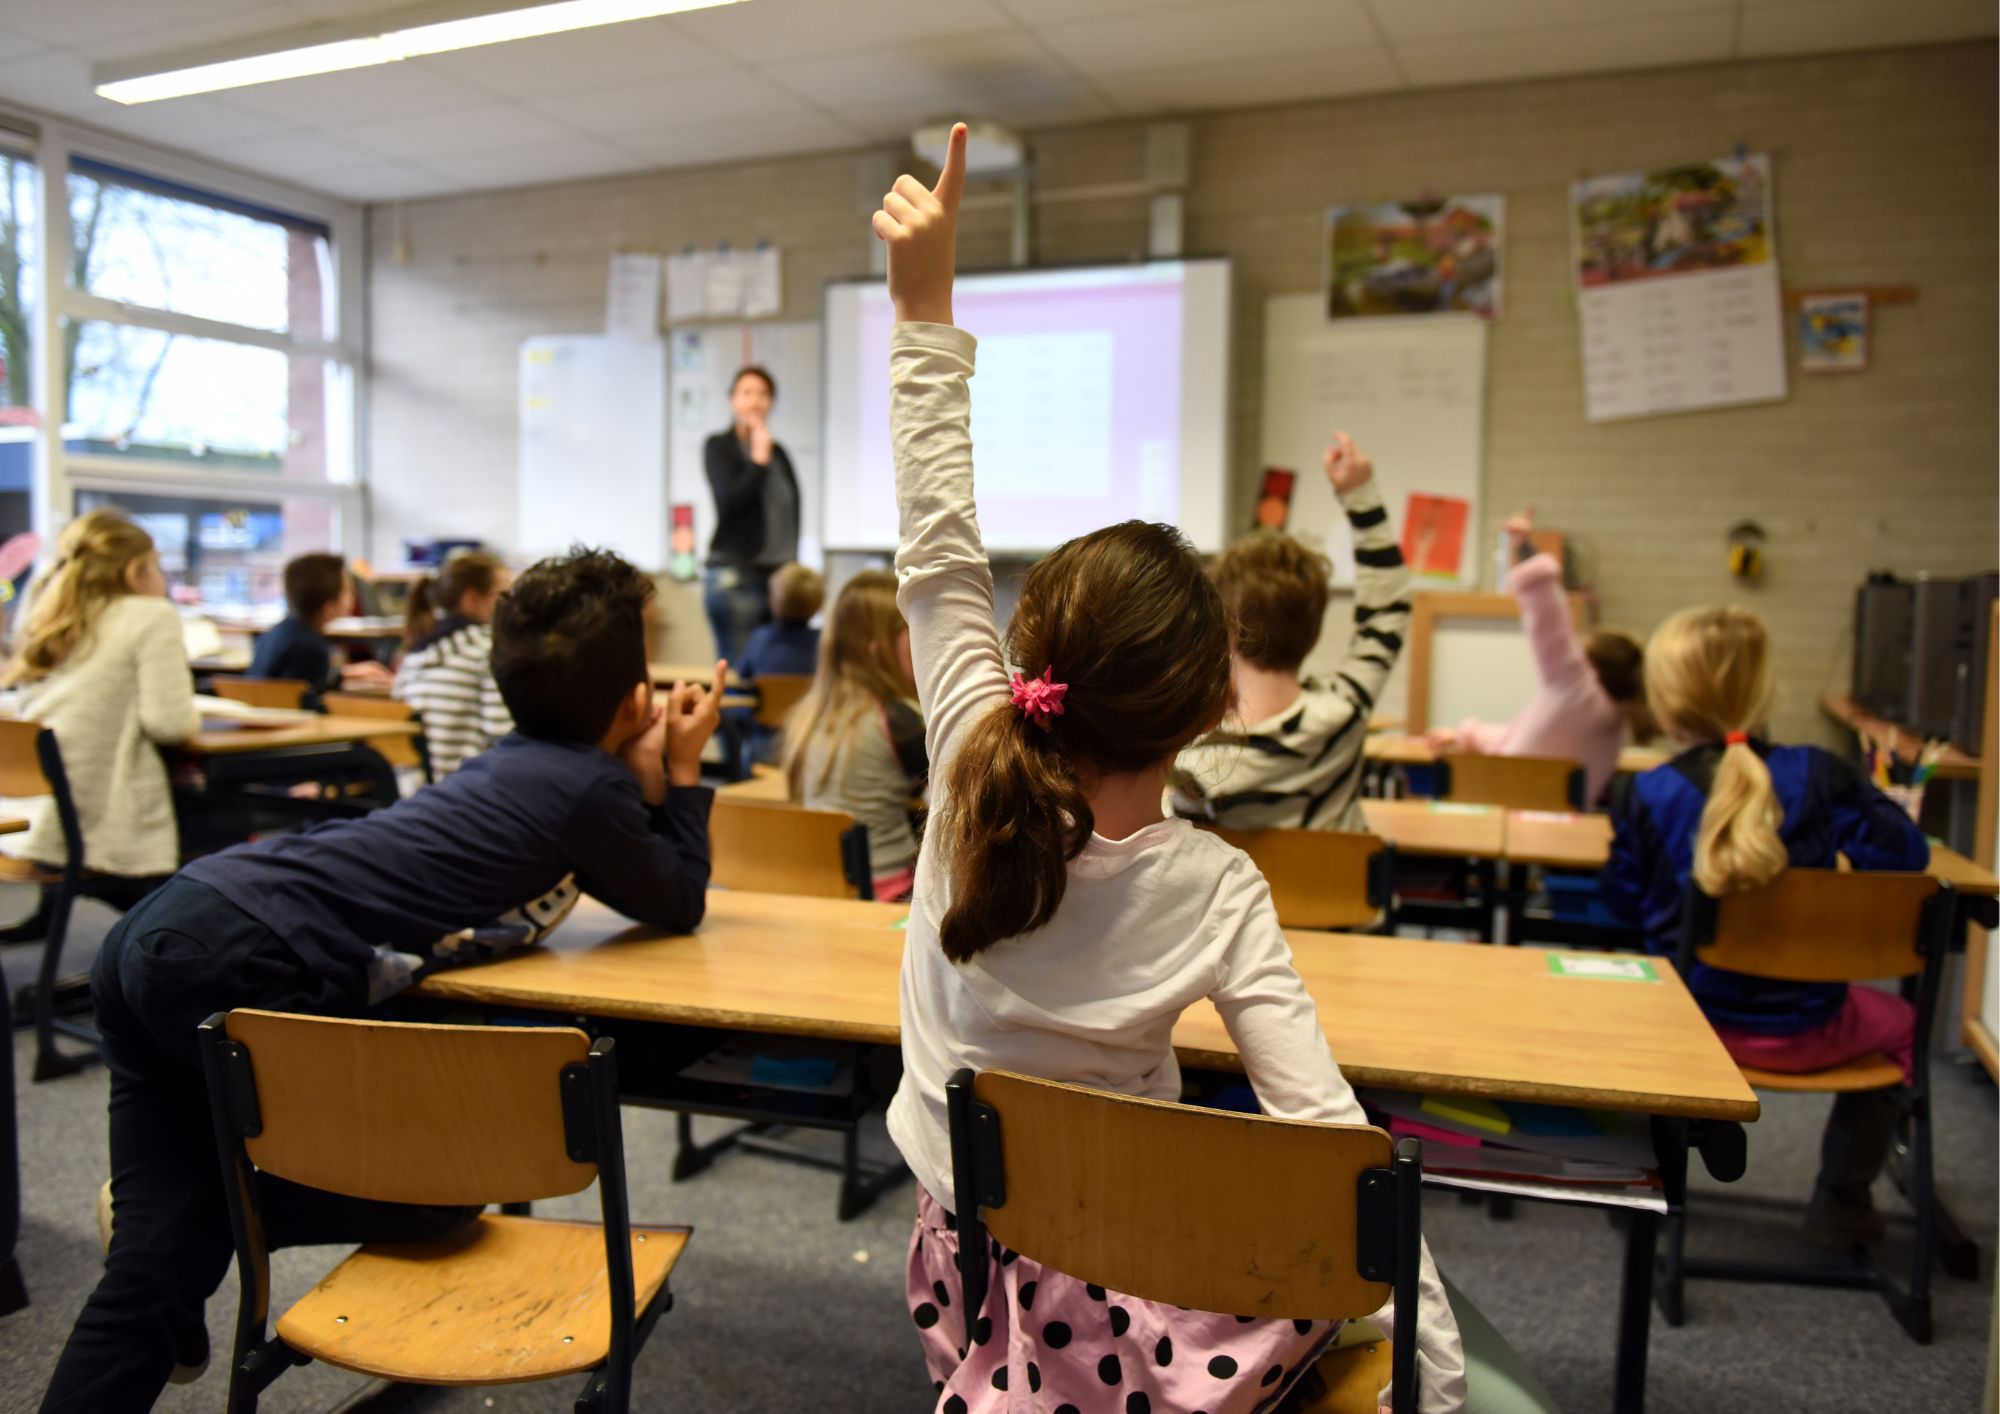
<point>724,284</point>
<point>632,296</point>
<point>1677,289</point>
<point>687,277</point>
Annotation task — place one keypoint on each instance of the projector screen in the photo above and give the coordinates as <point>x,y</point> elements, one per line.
<point>1101,395</point>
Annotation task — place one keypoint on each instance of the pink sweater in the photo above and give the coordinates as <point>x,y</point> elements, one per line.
<point>1571,715</point>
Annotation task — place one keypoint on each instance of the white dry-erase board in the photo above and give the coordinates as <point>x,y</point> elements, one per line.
<point>704,360</point>
<point>594,446</point>
<point>1410,390</point>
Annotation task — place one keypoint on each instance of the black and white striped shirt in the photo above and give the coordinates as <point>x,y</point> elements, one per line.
<point>1301,768</point>
<point>449,679</point>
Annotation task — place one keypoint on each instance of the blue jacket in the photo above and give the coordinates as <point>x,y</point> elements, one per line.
<point>780,648</point>
<point>1829,810</point>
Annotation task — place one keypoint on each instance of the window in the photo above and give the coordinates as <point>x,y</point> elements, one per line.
<point>226,553</point>
<point>18,180</point>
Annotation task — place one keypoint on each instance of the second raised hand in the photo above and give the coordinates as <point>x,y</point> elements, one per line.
<point>920,226</point>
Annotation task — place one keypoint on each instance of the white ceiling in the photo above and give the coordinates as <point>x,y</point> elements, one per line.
<point>769,77</point>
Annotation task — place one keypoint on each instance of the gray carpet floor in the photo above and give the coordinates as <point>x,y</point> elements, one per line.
<point>782,1308</point>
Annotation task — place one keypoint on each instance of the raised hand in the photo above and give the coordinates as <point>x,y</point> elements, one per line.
<point>920,226</point>
<point>693,713</point>
<point>1519,527</point>
<point>1347,466</point>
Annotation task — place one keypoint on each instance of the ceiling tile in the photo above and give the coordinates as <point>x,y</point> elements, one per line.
<point>294,156</point>
<point>18,46</point>
<point>79,23</point>
<point>695,100</point>
<point>146,39</point>
<point>770,31</point>
<point>1595,48</point>
<point>582,59</point>
<point>1446,19</point>
<point>1163,38</point>
<point>383,91</point>
<point>1242,82</point>
<point>543,162</point>
<point>198,124</point>
<point>731,142</point>
<point>54,80</point>
<point>960,71</point>
<point>1046,12</point>
<point>423,137</point>
<point>1860,24</point>
<point>383,181</point>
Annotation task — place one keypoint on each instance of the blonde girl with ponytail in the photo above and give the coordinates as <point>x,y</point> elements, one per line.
<point>1729,814</point>
<point>1061,921</point>
<point>99,660</point>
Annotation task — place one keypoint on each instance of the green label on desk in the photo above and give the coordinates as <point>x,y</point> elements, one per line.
<point>1605,969</point>
<point>901,924</point>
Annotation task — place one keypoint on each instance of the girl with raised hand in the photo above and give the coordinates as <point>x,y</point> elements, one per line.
<point>1060,923</point>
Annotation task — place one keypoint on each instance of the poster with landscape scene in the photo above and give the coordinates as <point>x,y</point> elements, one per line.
<point>1434,255</point>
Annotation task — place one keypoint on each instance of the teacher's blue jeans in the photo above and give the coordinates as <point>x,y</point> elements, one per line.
<point>738,599</point>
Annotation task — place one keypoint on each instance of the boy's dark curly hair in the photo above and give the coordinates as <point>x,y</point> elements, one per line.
<point>569,642</point>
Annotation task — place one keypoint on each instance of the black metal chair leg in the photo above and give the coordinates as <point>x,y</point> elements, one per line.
<point>1671,1288</point>
<point>50,1061</point>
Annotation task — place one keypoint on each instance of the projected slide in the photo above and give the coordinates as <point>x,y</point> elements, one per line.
<point>1101,395</point>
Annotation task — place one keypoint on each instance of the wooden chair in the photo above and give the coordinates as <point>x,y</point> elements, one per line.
<point>1322,878</point>
<point>1302,1221</point>
<point>1823,925</point>
<point>287,693</point>
<point>398,751</point>
<point>788,849</point>
<point>448,1115</point>
<point>31,766</point>
<point>1515,782</point>
<point>777,695</point>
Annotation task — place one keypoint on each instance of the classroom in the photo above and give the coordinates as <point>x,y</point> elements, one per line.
<point>1415,831</point>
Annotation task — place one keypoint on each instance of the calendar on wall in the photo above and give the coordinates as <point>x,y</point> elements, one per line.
<point>1677,288</point>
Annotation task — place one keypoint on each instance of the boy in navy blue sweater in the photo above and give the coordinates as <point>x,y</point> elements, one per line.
<point>597,791</point>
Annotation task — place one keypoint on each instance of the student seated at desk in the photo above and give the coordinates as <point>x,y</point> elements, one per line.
<point>317,591</point>
<point>596,792</point>
<point>1291,754</point>
<point>1732,811</point>
<point>1060,923</point>
<point>855,742</point>
<point>789,644</point>
<point>447,667</point>
<point>1592,690</point>
<point>101,664</point>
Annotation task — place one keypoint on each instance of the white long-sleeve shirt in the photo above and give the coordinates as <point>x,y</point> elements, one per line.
<point>1148,925</point>
<point>121,695</point>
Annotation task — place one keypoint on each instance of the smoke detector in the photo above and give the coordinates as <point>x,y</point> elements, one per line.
<point>990,148</point>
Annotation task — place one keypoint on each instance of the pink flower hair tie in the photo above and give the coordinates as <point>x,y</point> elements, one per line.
<point>1040,698</point>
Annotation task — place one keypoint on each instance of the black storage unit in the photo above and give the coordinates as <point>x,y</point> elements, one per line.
<point>1882,646</point>
<point>1976,626</point>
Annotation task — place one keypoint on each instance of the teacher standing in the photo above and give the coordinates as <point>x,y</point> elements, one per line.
<point>756,513</point>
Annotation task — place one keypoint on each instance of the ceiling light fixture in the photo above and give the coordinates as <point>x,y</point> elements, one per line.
<point>327,49</point>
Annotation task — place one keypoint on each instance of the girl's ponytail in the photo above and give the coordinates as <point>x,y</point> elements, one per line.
<point>422,615</point>
<point>1016,817</point>
<point>93,556</point>
<point>1738,847</point>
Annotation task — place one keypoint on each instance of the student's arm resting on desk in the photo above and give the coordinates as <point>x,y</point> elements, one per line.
<point>649,863</point>
<point>1275,1026</point>
<point>1381,595</point>
<point>1479,738</point>
<point>1869,828</point>
<point>166,689</point>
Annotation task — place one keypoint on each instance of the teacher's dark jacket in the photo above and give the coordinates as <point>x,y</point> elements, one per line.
<point>738,486</point>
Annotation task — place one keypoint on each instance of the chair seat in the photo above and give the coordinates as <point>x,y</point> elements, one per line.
<point>503,1300</point>
<point>1873,1071</point>
<point>16,870</point>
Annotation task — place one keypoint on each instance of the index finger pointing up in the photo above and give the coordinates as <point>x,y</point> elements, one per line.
<point>951,181</point>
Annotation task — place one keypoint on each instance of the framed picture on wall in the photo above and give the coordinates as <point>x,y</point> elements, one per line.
<point>1833,333</point>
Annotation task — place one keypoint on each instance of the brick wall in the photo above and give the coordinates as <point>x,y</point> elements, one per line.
<point>1884,171</point>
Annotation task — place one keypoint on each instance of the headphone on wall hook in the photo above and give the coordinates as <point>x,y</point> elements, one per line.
<point>1746,550</point>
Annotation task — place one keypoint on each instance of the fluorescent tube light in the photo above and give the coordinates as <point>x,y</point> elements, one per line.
<point>313,53</point>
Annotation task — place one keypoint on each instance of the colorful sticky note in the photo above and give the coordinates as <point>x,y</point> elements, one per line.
<point>1470,1110</point>
<point>1604,969</point>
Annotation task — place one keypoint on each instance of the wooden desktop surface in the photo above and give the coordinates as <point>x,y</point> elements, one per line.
<point>1584,842</point>
<point>1954,765</point>
<point>218,739</point>
<point>1428,827</point>
<point>1452,1018</point>
<point>1415,751</point>
<point>665,674</point>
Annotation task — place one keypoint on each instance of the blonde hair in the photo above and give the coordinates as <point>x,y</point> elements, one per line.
<point>796,593</point>
<point>93,556</point>
<point>859,669</point>
<point>1708,674</point>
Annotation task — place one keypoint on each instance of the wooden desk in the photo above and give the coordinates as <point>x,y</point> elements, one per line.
<point>1431,827</point>
<point>1450,1018</point>
<point>765,783</point>
<point>1954,766</point>
<point>221,737</point>
<point>229,660</point>
<point>1415,751</point>
<point>666,674</point>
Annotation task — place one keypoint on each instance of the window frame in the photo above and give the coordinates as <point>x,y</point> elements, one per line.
<point>60,473</point>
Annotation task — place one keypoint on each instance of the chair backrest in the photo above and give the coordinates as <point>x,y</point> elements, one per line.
<point>288,693</point>
<point>407,1113</point>
<point>1818,925</point>
<point>20,763</point>
<point>31,765</point>
<point>787,849</point>
<point>1516,782</point>
<point>396,750</point>
<point>1320,878</point>
<point>777,694</point>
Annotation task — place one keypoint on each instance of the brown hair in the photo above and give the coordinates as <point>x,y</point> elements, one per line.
<point>796,593</point>
<point>1275,591</point>
<point>1619,660</point>
<point>469,572</point>
<point>1708,674</point>
<point>1126,617</point>
<point>312,582</point>
<point>756,370</point>
<point>859,669</point>
<point>93,556</point>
